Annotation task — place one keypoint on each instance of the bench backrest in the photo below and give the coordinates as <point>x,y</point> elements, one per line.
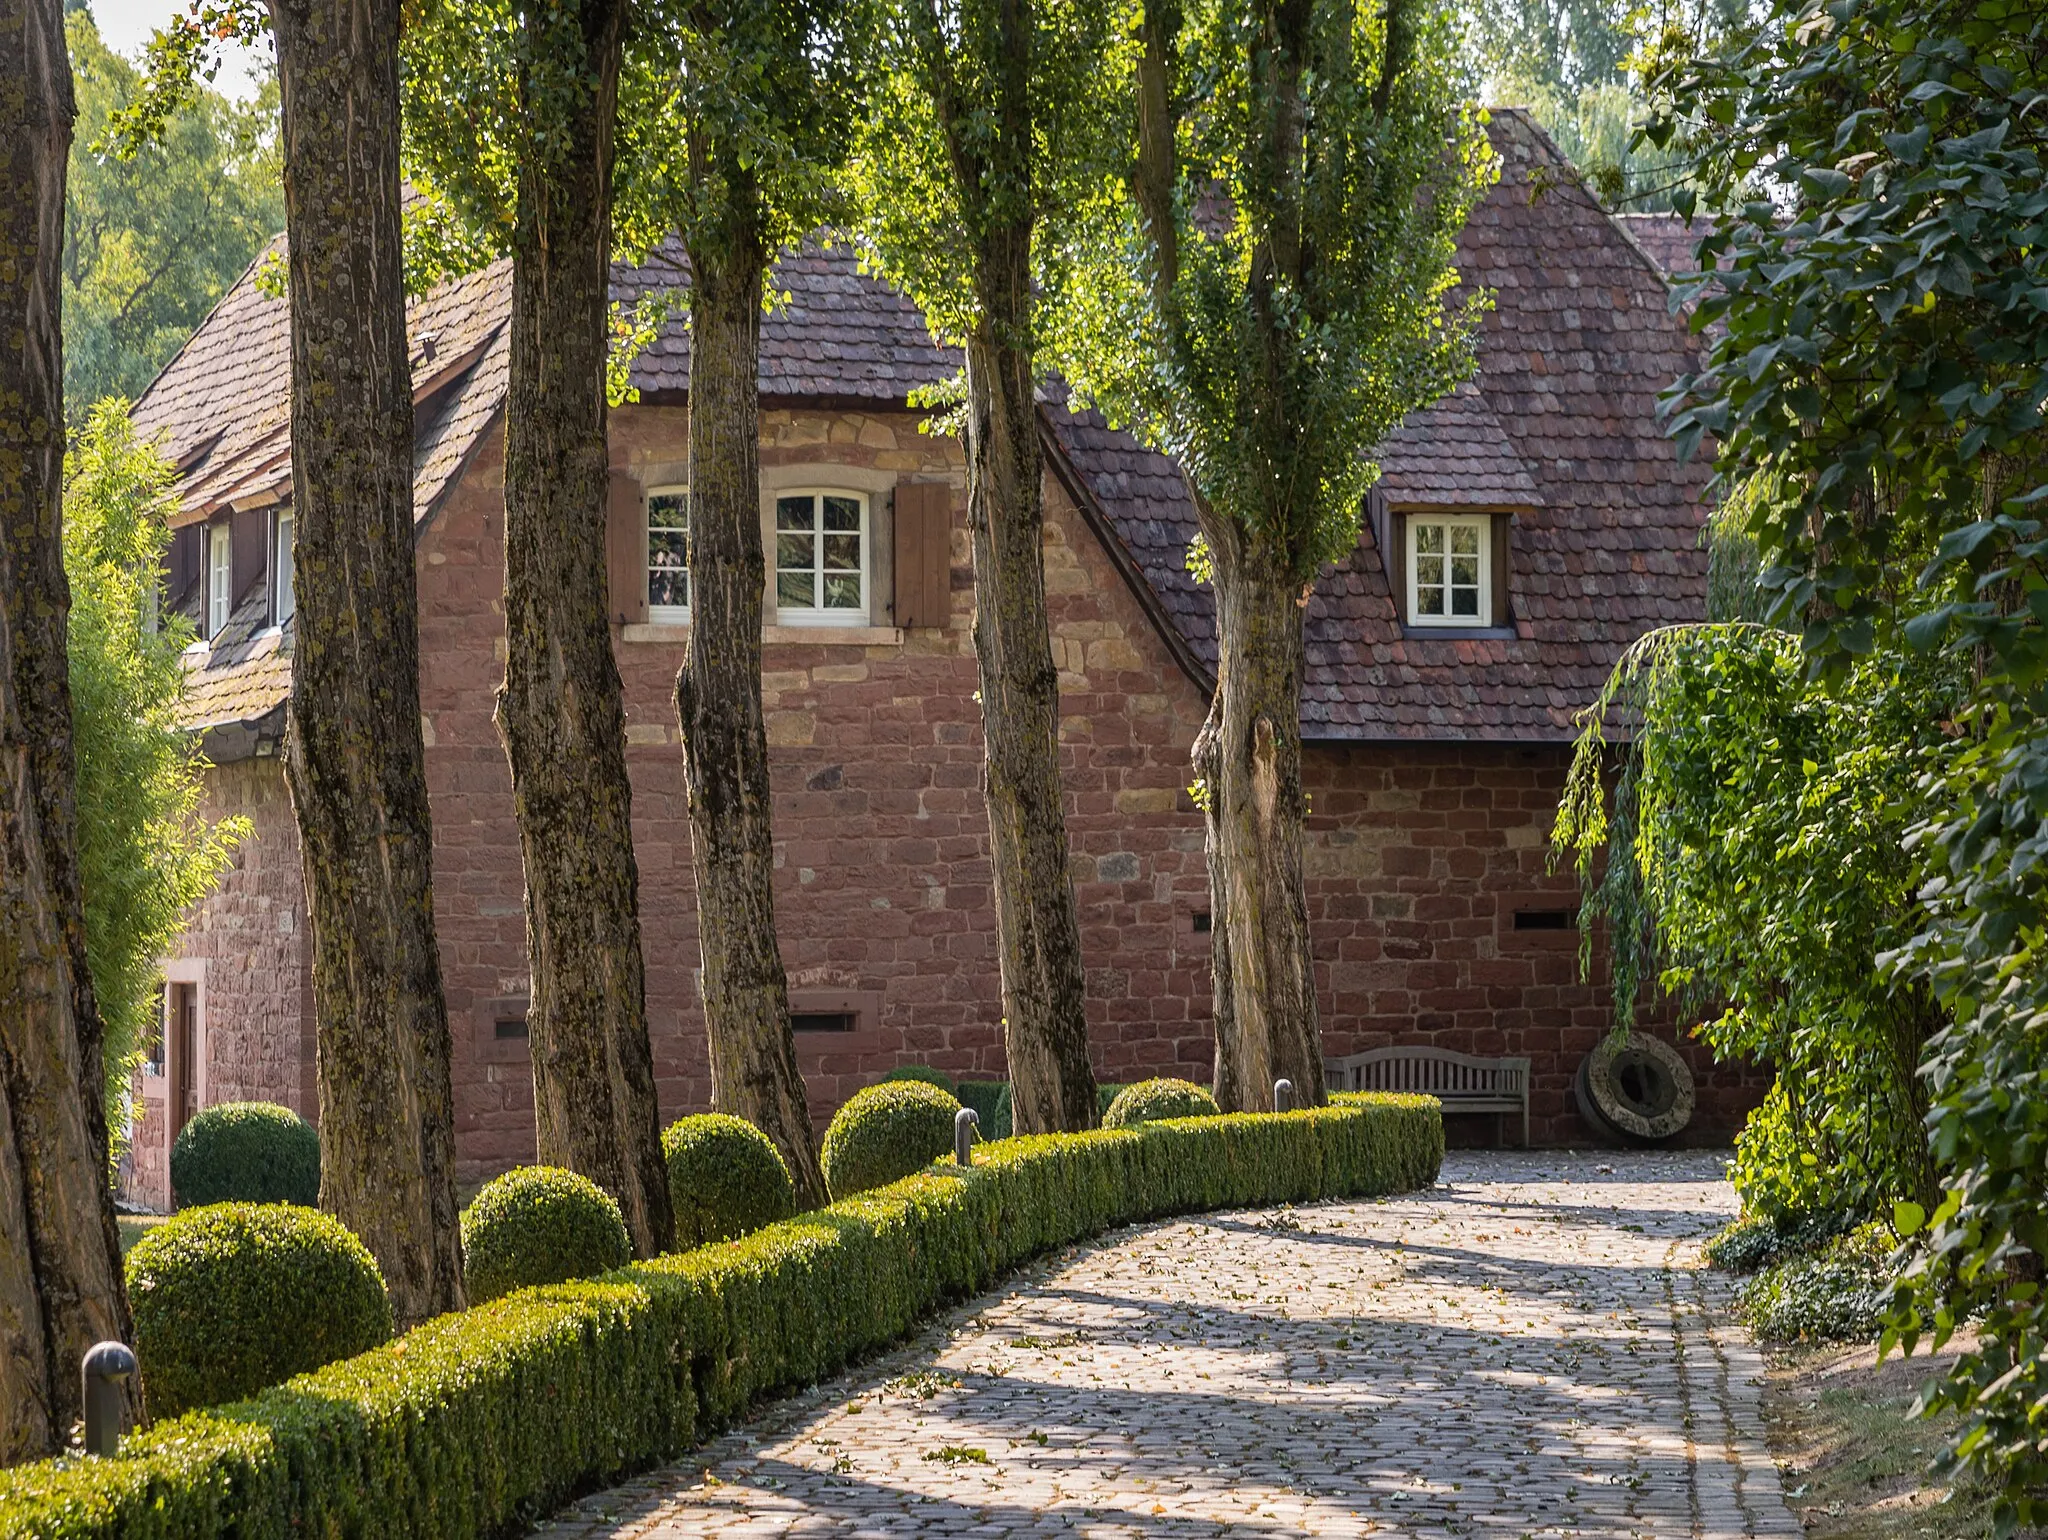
<point>1430,1071</point>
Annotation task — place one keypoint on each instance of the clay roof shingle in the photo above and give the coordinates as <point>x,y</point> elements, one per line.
<point>1560,426</point>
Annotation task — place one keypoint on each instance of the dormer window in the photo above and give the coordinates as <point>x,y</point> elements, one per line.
<point>282,602</point>
<point>1450,577</point>
<point>1450,570</point>
<point>220,577</point>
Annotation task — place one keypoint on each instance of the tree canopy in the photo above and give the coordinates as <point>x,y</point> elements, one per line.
<point>153,241</point>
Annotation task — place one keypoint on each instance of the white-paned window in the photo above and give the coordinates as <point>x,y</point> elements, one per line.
<point>220,577</point>
<point>282,603</point>
<point>1450,570</point>
<point>668,554</point>
<point>821,558</point>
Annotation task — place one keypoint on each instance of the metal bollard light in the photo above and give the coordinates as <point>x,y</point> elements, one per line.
<point>106,1369</point>
<point>1283,1095</point>
<point>965,1122</point>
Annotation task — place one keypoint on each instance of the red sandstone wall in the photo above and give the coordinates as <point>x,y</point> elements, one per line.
<point>248,940</point>
<point>1418,856</point>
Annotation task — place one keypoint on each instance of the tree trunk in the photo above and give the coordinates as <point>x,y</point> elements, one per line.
<point>1045,1023</point>
<point>754,1071</point>
<point>354,757</point>
<point>1269,1030</point>
<point>60,1256</point>
<point>561,710</point>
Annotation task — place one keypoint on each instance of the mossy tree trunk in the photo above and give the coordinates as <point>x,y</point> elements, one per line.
<point>354,756</point>
<point>754,1071</point>
<point>60,1256</point>
<point>1044,995</point>
<point>561,709</point>
<point>991,145</point>
<point>1249,757</point>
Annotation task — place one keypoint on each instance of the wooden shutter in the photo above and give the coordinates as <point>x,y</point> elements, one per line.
<point>625,546</point>
<point>248,551</point>
<point>1500,616</point>
<point>924,553</point>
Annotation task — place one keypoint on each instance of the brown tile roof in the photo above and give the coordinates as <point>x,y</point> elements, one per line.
<point>1570,365</point>
<point>1667,239</point>
<point>1560,425</point>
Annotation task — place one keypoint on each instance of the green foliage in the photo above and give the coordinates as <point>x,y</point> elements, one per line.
<point>885,1132</point>
<point>153,241</point>
<point>145,852</point>
<point>478,1421</point>
<point>1152,1101</point>
<point>1838,1293</point>
<point>990,1099</point>
<point>1876,313</point>
<point>726,1178</point>
<point>537,1225</point>
<point>1268,318</point>
<point>974,133</point>
<point>921,1073</point>
<point>1755,862</point>
<point>1752,1242</point>
<point>246,1152</point>
<point>236,1296</point>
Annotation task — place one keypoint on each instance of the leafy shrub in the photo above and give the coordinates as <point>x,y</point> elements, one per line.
<point>1754,1241</point>
<point>726,1178</point>
<point>1153,1101</point>
<point>1839,1293</point>
<point>246,1152</point>
<point>923,1074</point>
<point>884,1133</point>
<point>991,1099</point>
<point>1106,1093</point>
<point>236,1296</point>
<point>540,1224</point>
<point>476,1420</point>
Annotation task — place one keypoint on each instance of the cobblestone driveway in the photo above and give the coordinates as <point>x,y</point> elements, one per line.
<point>1526,1350</point>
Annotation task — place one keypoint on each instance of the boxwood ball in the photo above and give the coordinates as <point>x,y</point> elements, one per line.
<point>232,1297</point>
<point>246,1152</point>
<point>1152,1101</point>
<point>725,1177</point>
<point>884,1134</point>
<point>539,1224</point>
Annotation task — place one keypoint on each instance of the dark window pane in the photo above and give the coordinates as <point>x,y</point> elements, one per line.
<point>842,553</point>
<point>842,591</point>
<point>842,513</point>
<point>795,513</point>
<point>795,590</point>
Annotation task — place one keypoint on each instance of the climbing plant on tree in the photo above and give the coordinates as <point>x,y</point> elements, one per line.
<point>513,112</point>
<point>980,157</point>
<point>1880,291</point>
<point>1751,861</point>
<point>1272,302</point>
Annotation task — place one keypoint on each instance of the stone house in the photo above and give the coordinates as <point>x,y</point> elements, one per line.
<point>1524,531</point>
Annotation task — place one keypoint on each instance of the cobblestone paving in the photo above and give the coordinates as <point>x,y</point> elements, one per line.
<point>1528,1350</point>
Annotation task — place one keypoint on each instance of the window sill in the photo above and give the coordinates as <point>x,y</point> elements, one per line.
<point>776,636</point>
<point>1460,633</point>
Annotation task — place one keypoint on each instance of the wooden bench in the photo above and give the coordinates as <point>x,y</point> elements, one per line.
<point>1462,1082</point>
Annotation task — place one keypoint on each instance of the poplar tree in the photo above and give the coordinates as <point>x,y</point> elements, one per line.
<point>355,757</point>
<point>515,111</point>
<point>975,168</point>
<point>1272,303</point>
<point>60,1257</point>
<point>748,116</point>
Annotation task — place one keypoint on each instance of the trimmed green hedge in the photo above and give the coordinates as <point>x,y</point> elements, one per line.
<point>1154,1101</point>
<point>884,1133</point>
<point>538,1225</point>
<point>246,1152</point>
<point>477,1422</point>
<point>725,1177</point>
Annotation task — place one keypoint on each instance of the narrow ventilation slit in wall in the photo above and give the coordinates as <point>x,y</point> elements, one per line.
<point>823,1021</point>
<point>1201,920</point>
<point>1546,919</point>
<point>506,1028</point>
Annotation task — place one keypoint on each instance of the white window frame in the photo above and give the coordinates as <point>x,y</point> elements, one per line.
<point>1482,524</point>
<point>283,598</point>
<point>662,614</point>
<point>818,615</point>
<point>220,576</point>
